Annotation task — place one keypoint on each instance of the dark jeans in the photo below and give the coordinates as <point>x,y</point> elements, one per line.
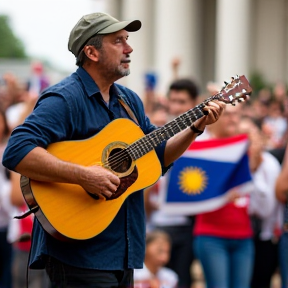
<point>265,263</point>
<point>36,278</point>
<point>5,261</point>
<point>283,257</point>
<point>66,276</point>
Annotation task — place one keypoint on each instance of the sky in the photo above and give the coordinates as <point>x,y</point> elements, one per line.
<point>44,26</point>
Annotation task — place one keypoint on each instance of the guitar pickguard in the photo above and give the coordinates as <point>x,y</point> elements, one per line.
<point>125,183</point>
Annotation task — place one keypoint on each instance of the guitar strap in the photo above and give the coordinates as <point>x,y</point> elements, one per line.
<point>128,109</point>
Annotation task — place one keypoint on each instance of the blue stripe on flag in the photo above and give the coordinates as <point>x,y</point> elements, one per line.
<point>193,180</point>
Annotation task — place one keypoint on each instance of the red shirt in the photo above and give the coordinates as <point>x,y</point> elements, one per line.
<point>25,226</point>
<point>231,221</point>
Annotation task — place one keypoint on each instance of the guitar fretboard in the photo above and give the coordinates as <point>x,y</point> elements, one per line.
<point>147,143</point>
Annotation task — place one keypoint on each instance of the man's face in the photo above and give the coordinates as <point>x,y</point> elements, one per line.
<point>114,57</point>
<point>228,123</point>
<point>179,102</point>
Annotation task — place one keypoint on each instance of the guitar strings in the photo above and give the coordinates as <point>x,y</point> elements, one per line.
<point>120,156</point>
<point>123,153</point>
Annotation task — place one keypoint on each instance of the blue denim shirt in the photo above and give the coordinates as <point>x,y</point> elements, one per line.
<point>72,110</point>
<point>286,217</point>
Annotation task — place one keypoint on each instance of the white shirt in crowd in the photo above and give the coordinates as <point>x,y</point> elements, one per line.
<point>263,202</point>
<point>167,277</point>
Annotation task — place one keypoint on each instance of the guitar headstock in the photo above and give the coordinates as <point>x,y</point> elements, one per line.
<point>235,91</point>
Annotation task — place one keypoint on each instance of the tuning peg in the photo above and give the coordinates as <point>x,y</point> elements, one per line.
<point>226,83</point>
<point>232,78</point>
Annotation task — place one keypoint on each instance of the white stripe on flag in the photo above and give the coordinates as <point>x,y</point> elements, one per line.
<point>227,153</point>
<point>193,208</point>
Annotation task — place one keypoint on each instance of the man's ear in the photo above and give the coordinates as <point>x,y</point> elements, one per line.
<point>91,52</point>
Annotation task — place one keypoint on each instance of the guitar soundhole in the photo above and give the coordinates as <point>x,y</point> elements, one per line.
<point>119,160</point>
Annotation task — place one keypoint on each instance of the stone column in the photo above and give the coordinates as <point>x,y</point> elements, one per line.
<point>232,38</point>
<point>177,35</point>
<point>112,7</point>
<point>141,42</point>
<point>270,39</point>
<point>98,6</point>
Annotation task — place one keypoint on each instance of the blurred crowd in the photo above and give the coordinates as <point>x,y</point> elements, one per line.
<point>236,244</point>
<point>17,101</point>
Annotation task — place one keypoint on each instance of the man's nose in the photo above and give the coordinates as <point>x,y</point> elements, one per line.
<point>128,49</point>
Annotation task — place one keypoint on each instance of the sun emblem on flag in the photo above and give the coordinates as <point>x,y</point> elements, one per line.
<point>192,180</point>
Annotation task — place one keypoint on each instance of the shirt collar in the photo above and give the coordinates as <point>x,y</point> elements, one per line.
<point>90,85</point>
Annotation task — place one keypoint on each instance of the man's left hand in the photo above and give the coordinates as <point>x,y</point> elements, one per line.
<point>214,109</point>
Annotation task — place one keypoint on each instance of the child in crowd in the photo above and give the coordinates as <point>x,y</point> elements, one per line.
<point>154,274</point>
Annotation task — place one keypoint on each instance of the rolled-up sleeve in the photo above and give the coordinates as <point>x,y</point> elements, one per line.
<point>48,123</point>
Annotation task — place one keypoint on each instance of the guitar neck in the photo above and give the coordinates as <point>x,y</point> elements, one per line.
<point>147,143</point>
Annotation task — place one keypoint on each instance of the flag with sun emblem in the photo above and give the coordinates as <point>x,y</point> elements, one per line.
<point>202,176</point>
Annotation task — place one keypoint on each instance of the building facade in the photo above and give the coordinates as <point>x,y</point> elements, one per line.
<point>214,39</point>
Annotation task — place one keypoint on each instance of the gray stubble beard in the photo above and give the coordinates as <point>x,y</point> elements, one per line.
<point>122,71</point>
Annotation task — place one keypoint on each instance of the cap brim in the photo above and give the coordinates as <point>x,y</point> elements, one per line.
<point>130,26</point>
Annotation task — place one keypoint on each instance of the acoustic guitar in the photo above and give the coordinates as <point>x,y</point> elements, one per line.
<point>68,212</point>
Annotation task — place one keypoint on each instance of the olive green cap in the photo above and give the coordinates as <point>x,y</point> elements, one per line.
<point>97,23</point>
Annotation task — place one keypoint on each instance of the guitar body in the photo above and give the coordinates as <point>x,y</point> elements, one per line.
<point>67,211</point>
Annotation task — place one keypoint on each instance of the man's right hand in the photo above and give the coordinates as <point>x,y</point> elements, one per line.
<point>98,181</point>
<point>42,166</point>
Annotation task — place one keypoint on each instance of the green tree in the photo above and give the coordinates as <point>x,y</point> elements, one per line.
<point>10,45</point>
<point>258,82</point>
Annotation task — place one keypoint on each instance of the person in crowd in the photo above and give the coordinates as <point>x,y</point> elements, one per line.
<point>265,210</point>
<point>11,90</point>
<point>152,99</point>
<point>13,271</point>
<point>77,108</point>
<point>158,117</point>
<point>154,273</point>
<point>38,81</point>
<point>21,240</point>
<point>182,96</point>
<point>280,91</point>
<point>6,211</point>
<point>14,98</point>
<point>21,229</point>
<point>282,196</point>
<point>11,93</point>
<point>275,125</point>
<point>260,108</point>
<point>224,244</point>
